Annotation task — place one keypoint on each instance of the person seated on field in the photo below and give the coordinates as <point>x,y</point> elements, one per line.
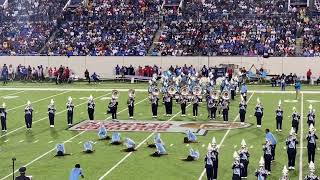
<point>102,133</point>
<point>95,77</point>
<point>61,150</point>
<point>115,139</point>
<point>160,150</point>
<point>156,139</point>
<point>88,147</point>
<point>193,155</point>
<point>191,137</point>
<point>130,145</point>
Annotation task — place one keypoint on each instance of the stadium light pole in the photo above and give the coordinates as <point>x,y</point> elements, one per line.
<point>13,160</point>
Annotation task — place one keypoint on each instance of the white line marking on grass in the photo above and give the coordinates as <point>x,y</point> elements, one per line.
<point>141,143</point>
<point>81,112</point>
<point>21,141</point>
<point>36,141</point>
<point>301,140</point>
<point>45,118</point>
<point>38,100</point>
<point>50,142</point>
<point>80,142</point>
<point>6,140</point>
<point>73,137</point>
<point>224,137</point>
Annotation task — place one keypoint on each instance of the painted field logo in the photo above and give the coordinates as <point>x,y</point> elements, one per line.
<point>150,126</point>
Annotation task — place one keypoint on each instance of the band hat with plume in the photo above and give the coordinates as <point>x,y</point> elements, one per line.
<point>294,108</point>
<point>209,147</point>
<point>310,107</point>
<point>213,141</point>
<point>311,127</point>
<point>285,171</point>
<point>279,103</point>
<point>261,162</point>
<point>311,167</point>
<point>236,155</point>
<point>258,101</point>
<point>52,101</point>
<point>4,105</point>
<point>69,98</point>
<point>90,97</point>
<point>243,143</point>
<point>28,103</point>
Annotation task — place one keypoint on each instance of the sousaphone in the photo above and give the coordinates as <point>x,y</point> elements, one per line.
<point>172,90</point>
<point>225,95</point>
<point>115,94</point>
<point>184,91</point>
<point>197,90</point>
<point>131,93</point>
<point>214,95</point>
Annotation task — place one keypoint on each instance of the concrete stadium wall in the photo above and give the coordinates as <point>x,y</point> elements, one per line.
<point>105,65</point>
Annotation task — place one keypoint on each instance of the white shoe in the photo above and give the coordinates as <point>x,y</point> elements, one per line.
<point>131,117</point>
<point>280,130</point>
<point>292,168</point>
<point>242,123</point>
<point>51,126</point>
<point>277,130</point>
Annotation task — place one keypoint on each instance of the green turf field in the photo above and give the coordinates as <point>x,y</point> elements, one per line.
<point>36,149</point>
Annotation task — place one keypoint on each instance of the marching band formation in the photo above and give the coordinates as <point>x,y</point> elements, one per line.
<point>193,90</point>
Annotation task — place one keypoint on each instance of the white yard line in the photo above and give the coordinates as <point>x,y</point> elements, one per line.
<point>141,143</point>
<point>12,94</point>
<point>38,100</point>
<point>44,118</point>
<point>224,137</point>
<point>301,140</point>
<point>73,137</point>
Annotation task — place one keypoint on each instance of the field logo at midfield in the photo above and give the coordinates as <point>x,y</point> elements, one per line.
<point>10,97</point>
<point>150,126</point>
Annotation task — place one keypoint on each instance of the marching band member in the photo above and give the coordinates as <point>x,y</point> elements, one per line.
<point>61,151</point>
<point>156,139</point>
<point>267,156</point>
<point>3,116</point>
<point>91,106</point>
<point>295,120</point>
<point>311,175</point>
<point>242,110</point>
<point>183,104</point>
<point>209,159</point>
<point>115,138</point>
<point>113,106</point>
<point>28,111</point>
<point>160,150</point>
<point>191,137</point>
<point>261,173</point>
<point>236,166</point>
<point>285,175</point>
<point>243,91</point>
<point>291,143</point>
<point>279,117</point>
<point>130,103</point>
<point>195,104</point>
<point>102,132</point>
<point>215,157</point>
<point>270,137</point>
<point>225,110</point>
<point>259,113</point>
<point>154,104</point>
<point>168,104</point>
<point>51,113</point>
<point>311,137</point>
<point>311,116</point>
<point>232,89</point>
<point>212,107</point>
<point>194,155</point>
<point>244,159</point>
<point>88,147</point>
<point>131,145</point>
<point>70,108</point>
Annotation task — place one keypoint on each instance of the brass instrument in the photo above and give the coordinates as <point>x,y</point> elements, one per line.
<point>214,95</point>
<point>172,90</point>
<point>225,95</point>
<point>131,93</point>
<point>184,91</point>
<point>155,91</point>
<point>197,90</point>
<point>115,94</point>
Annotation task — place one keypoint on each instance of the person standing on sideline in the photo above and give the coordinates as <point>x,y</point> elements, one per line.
<point>76,172</point>
<point>309,73</point>
<point>270,137</point>
<point>3,116</point>
<point>297,87</point>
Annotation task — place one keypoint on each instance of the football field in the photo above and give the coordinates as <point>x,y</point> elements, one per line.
<point>35,149</point>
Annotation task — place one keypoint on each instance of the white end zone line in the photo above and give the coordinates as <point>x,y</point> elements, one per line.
<point>75,136</point>
<point>301,140</point>
<point>140,144</point>
<point>224,137</point>
<point>21,127</point>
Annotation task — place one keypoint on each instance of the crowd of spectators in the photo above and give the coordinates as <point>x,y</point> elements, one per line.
<point>188,27</point>
<point>146,71</point>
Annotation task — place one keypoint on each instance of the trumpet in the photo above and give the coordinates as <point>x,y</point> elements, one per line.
<point>115,94</point>
<point>131,93</point>
<point>172,90</point>
<point>225,95</point>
